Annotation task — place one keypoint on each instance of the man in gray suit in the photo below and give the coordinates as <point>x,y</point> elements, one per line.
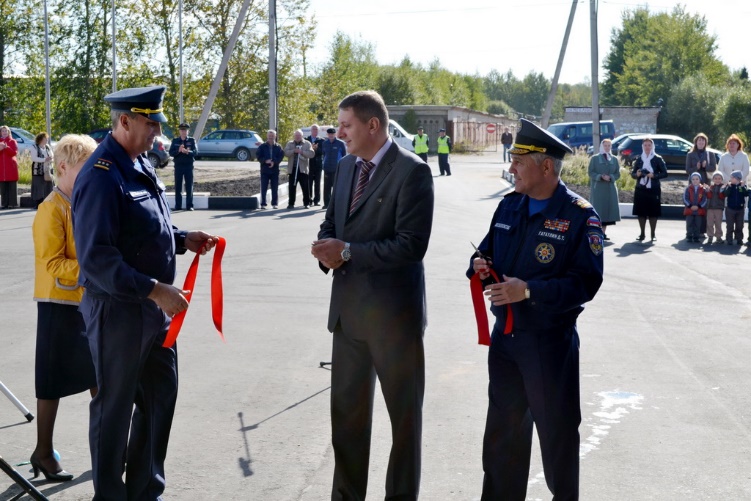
<point>374,238</point>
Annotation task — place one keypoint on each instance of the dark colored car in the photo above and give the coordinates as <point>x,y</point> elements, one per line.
<point>230,143</point>
<point>673,149</point>
<point>158,154</point>
<point>615,143</point>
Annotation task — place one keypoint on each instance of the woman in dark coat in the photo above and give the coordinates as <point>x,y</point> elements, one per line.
<point>648,170</point>
<point>41,158</point>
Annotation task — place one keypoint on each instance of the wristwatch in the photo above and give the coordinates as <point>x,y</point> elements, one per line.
<point>346,254</point>
<point>526,293</point>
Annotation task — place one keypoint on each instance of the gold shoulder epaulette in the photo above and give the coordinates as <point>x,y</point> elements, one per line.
<point>101,163</point>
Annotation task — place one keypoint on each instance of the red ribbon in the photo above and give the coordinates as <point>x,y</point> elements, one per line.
<point>481,313</point>
<point>217,294</point>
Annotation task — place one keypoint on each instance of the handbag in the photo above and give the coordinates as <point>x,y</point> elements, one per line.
<point>47,173</point>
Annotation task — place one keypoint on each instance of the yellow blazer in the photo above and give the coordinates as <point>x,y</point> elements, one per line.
<point>55,262</point>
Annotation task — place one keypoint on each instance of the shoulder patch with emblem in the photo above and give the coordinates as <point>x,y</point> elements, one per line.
<point>595,242</point>
<point>101,163</point>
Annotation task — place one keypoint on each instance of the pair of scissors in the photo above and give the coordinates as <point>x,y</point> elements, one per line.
<point>480,254</point>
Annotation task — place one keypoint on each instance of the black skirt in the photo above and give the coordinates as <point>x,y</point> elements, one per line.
<point>63,359</point>
<point>647,202</point>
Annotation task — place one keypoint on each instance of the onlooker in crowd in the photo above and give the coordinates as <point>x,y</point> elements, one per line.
<point>421,142</point>
<point>334,150</point>
<point>127,251</point>
<point>444,148</point>
<point>270,154</point>
<point>63,360</point>
<point>734,159</point>
<point>695,203</point>
<point>648,169</point>
<point>735,196</point>
<point>41,162</point>
<point>8,169</point>
<point>546,243</point>
<point>315,165</point>
<point>715,207</point>
<point>506,140</point>
<point>183,150</point>
<point>604,171</point>
<point>299,152</point>
<point>700,160</point>
<point>378,312</point>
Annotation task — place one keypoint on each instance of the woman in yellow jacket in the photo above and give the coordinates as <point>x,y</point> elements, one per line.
<point>63,360</point>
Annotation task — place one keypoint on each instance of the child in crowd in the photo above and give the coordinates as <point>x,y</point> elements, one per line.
<point>735,196</point>
<point>715,207</point>
<point>695,201</point>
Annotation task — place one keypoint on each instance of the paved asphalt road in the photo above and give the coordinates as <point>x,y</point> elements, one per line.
<point>665,365</point>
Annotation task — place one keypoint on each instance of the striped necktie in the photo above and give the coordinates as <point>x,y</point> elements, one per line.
<point>362,182</point>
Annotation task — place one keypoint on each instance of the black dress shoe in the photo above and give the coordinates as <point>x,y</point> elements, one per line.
<point>191,208</point>
<point>605,237</point>
<point>316,204</point>
<point>58,476</point>
<point>640,238</point>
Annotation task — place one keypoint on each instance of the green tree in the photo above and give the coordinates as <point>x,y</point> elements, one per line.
<point>653,51</point>
<point>734,114</point>
<point>691,108</point>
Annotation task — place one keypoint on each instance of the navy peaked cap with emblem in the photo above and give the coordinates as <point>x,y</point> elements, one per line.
<point>533,139</point>
<point>146,101</point>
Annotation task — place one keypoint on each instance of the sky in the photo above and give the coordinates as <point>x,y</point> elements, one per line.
<point>517,35</point>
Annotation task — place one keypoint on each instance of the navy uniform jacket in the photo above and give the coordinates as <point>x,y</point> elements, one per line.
<point>558,252</point>
<point>183,159</point>
<point>265,152</point>
<point>317,160</point>
<point>122,227</point>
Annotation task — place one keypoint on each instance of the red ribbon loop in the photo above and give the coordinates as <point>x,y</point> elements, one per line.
<point>217,294</point>
<point>481,312</point>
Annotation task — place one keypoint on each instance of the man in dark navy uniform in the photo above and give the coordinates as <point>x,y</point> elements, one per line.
<point>183,150</point>
<point>126,248</point>
<point>545,245</point>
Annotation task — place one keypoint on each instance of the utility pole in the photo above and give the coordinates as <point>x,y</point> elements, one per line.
<point>47,111</point>
<point>595,79</point>
<point>114,50</point>
<point>272,64</point>
<point>180,51</point>
<point>554,84</point>
<point>222,68</point>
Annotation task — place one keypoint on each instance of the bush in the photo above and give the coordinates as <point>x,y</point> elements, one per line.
<point>576,171</point>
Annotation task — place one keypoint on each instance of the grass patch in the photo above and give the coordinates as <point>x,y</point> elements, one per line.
<point>24,167</point>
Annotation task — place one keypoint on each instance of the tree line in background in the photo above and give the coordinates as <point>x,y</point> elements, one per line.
<point>665,58</point>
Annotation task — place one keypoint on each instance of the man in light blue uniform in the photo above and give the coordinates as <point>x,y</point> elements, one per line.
<point>126,248</point>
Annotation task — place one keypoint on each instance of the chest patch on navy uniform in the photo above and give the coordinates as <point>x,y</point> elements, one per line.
<point>138,194</point>
<point>552,235</point>
<point>557,224</point>
<point>503,226</point>
<point>545,253</point>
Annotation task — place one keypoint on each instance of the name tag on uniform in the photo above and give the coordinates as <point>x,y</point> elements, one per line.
<point>554,236</point>
<point>503,226</point>
<point>138,194</point>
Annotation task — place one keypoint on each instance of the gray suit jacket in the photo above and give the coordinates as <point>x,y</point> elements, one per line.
<point>381,290</point>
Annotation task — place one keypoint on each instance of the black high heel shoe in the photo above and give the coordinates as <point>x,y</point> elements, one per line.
<point>60,476</point>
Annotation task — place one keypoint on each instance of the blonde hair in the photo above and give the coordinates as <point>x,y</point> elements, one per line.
<point>73,148</point>
<point>6,128</point>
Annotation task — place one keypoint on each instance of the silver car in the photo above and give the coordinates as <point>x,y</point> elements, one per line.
<point>230,143</point>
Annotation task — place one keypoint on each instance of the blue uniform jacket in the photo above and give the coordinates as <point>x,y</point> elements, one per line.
<point>275,153</point>
<point>333,151</point>
<point>558,252</point>
<point>183,159</point>
<point>122,227</point>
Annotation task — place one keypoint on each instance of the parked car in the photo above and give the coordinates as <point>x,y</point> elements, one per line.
<point>576,134</point>
<point>25,139</point>
<point>614,145</point>
<point>158,155</point>
<point>673,149</point>
<point>230,143</point>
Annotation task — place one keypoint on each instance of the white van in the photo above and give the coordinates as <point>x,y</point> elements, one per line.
<point>401,136</point>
